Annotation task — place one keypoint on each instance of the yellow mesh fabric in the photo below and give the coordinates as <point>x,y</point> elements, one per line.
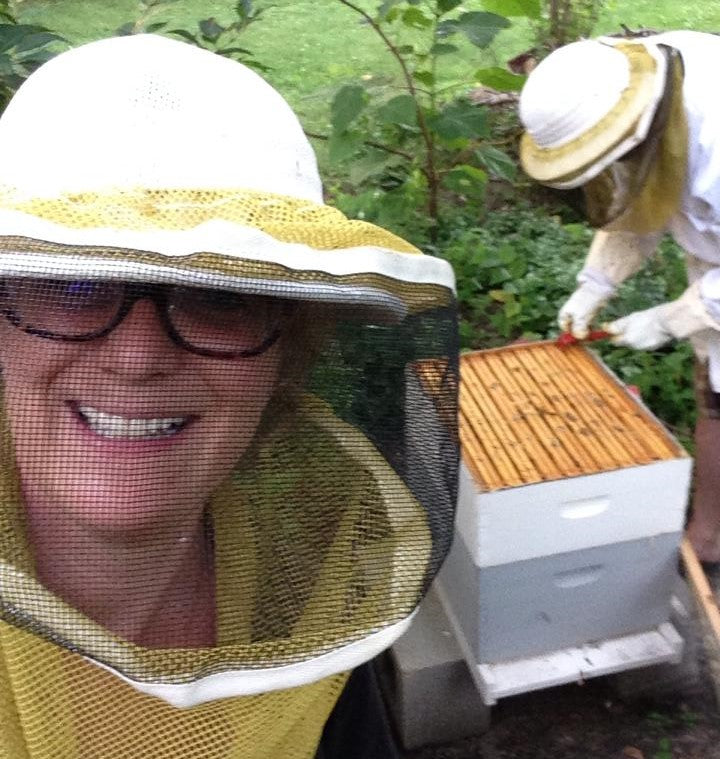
<point>658,197</point>
<point>286,528</point>
<point>284,218</point>
<point>55,705</point>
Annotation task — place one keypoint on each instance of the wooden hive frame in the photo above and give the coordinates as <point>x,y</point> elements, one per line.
<point>534,412</point>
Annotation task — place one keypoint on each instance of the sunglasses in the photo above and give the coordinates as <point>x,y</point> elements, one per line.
<point>214,323</point>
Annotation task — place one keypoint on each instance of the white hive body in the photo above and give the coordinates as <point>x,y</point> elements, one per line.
<point>236,132</point>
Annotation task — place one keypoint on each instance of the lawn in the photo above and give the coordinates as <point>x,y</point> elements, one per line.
<point>310,47</point>
<point>314,46</point>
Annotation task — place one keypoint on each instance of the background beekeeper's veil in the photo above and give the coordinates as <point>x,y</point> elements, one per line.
<point>147,160</point>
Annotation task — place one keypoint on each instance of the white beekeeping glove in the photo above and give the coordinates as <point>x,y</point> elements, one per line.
<point>612,258</point>
<point>677,319</point>
<point>579,310</point>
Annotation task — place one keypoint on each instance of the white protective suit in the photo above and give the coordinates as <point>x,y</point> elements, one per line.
<point>614,256</point>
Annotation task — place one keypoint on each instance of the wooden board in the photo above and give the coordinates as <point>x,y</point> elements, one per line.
<point>708,611</point>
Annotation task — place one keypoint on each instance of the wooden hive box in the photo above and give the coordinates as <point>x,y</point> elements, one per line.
<point>570,510</point>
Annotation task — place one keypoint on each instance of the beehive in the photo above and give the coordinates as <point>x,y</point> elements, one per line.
<point>571,505</point>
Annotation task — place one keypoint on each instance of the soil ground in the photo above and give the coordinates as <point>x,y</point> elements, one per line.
<point>592,721</point>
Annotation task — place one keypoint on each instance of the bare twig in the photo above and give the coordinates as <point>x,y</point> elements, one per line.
<point>369,143</point>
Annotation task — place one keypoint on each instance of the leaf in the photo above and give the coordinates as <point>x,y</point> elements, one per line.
<point>185,34</point>
<point>244,9</point>
<point>34,41</point>
<point>447,28</point>
<point>526,8</point>
<point>210,29</point>
<point>445,6</point>
<point>6,68</point>
<point>385,7</point>
<point>347,105</point>
<point>460,119</point>
<point>512,307</point>
<point>500,295</point>
<point>36,57</point>
<point>466,180</point>
<point>500,79</point>
<point>480,28</point>
<point>440,48</point>
<point>399,110</point>
<point>13,34</point>
<point>424,77</point>
<point>499,164</point>
<point>125,29</point>
<point>416,19</point>
<point>371,165</point>
<point>228,51</point>
<point>343,145</point>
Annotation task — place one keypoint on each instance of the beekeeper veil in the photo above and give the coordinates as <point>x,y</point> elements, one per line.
<point>229,448</point>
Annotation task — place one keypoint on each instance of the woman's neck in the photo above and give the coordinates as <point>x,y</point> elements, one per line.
<point>157,591</point>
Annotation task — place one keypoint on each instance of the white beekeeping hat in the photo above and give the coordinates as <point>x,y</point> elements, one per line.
<point>586,105</point>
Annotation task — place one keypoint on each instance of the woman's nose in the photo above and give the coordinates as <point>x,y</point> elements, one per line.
<point>139,347</point>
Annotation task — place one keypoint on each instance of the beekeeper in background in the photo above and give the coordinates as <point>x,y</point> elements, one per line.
<point>636,124</point>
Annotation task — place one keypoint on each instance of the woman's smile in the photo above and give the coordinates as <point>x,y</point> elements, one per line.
<point>126,427</point>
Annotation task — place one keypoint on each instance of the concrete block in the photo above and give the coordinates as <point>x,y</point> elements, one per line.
<point>429,690</point>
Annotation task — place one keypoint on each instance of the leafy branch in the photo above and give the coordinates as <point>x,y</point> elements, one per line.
<point>429,168</point>
<point>439,138</point>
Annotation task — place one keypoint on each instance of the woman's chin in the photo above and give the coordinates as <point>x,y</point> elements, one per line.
<point>111,507</point>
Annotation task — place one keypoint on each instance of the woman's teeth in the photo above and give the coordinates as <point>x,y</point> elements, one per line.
<point>112,426</point>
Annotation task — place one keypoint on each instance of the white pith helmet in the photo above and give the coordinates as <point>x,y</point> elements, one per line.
<point>586,105</point>
<point>150,110</point>
<point>123,155</point>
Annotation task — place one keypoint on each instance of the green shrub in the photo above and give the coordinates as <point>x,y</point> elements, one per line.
<point>23,47</point>
<point>516,270</point>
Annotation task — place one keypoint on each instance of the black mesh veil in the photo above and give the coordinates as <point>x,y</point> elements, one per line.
<point>323,467</point>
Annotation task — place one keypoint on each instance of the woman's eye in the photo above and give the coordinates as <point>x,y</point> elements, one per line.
<point>75,294</point>
<point>216,300</point>
<point>81,288</point>
<point>228,302</point>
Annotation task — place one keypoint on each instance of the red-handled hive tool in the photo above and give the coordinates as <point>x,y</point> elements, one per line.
<point>567,338</point>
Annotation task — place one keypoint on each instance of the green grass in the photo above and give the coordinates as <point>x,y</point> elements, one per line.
<point>662,15</point>
<point>314,46</point>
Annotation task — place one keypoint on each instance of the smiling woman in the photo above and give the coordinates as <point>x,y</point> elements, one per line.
<point>209,507</point>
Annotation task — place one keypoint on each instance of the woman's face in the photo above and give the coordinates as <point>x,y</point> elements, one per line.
<point>128,432</point>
